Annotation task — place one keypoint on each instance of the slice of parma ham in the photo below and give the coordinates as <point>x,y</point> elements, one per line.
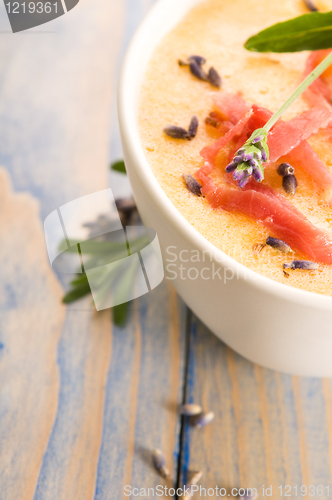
<point>285,138</point>
<point>319,93</point>
<point>273,211</point>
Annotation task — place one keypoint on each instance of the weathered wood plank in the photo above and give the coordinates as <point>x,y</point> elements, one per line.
<point>55,106</point>
<point>145,417</point>
<point>31,318</point>
<point>270,429</point>
<point>70,462</point>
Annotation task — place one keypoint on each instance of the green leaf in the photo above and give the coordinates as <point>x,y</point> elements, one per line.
<point>119,166</point>
<point>77,292</point>
<point>307,32</point>
<point>120,313</point>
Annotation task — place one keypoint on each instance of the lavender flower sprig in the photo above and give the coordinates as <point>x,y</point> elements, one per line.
<point>248,160</point>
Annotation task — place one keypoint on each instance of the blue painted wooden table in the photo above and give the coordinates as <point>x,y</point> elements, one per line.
<point>83,402</point>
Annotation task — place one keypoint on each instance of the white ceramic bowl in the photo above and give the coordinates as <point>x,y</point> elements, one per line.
<point>275,325</point>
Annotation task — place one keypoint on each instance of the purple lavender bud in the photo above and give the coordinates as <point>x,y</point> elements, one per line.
<point>278,244</point>
<point>240,152</point>
<point>214,77</point>
<point>193,126</point>
<point>197,59</point>
<point>237,159</point>
<point>257,139</point>
<point>245,177</point>
<point>301,264</point>
<point>248,156</point>
<point>257,174</point>
<point>231,167</point>
<point>191,184</point>
<point>264,155</point>
<point>197,71</point>
<point>238,174</point>
<point>176,132</point>
<point>253,163</point>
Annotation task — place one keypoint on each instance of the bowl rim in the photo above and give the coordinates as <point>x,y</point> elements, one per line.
<point>127,97</point>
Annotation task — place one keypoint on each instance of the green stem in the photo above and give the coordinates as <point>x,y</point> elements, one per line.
<point>301,88</point>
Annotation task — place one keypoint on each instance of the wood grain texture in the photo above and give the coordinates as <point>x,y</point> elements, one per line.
<point>81,409</point>
<point>70,463</point>
<point>270,429</point>
<point>114,394</point>
<point>30,326</point>
<point>138,420</point>
<point>57,90</point>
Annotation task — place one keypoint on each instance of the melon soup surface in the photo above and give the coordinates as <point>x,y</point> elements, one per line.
<point>170,95</point>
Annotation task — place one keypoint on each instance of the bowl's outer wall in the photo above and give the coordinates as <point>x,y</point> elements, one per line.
<point>276,334</point>
<point>275,326</point>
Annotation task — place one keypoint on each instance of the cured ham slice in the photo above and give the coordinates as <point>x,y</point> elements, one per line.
<point>232,106</point>
<point>306,157</point>
<point>285,136</point>
<point>273,211</point>
<point>209,153</point>
<point>319,92</point>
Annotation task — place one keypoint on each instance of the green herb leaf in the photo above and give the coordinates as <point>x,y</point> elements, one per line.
<point>307,32</point>
<point>120,313</point>
<point>80,289</point>
<point>119,166</point>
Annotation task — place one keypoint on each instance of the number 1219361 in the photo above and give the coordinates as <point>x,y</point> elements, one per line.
<point>302,491</point>
<point>31,7</point>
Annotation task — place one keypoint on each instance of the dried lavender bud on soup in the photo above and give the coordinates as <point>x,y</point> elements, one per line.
<point>193,126</point>
<point>192,185</point>
<point>214,77</point>
<point>176,132</point>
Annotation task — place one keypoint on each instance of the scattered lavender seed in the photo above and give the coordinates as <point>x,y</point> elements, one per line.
<point>278,244</point>
<point>193,126</point>
<point>289,183</point>
<point>203,419</point>
<point>310,5</point>
<point>285,169</point>
<point>197,71</point>
<point>190,410</point>
<point>197,59</point>
<point>177,132</point>
<point>191,184</point>
<point>249,495</point>
<point>285,274</point>
<point>194,478</point>
<point>301,264</point>
<point>214,77</point>
<point>211,121</point>
<point>160,463</point>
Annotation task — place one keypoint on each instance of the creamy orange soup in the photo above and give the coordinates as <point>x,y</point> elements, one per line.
<point>217,30</point>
